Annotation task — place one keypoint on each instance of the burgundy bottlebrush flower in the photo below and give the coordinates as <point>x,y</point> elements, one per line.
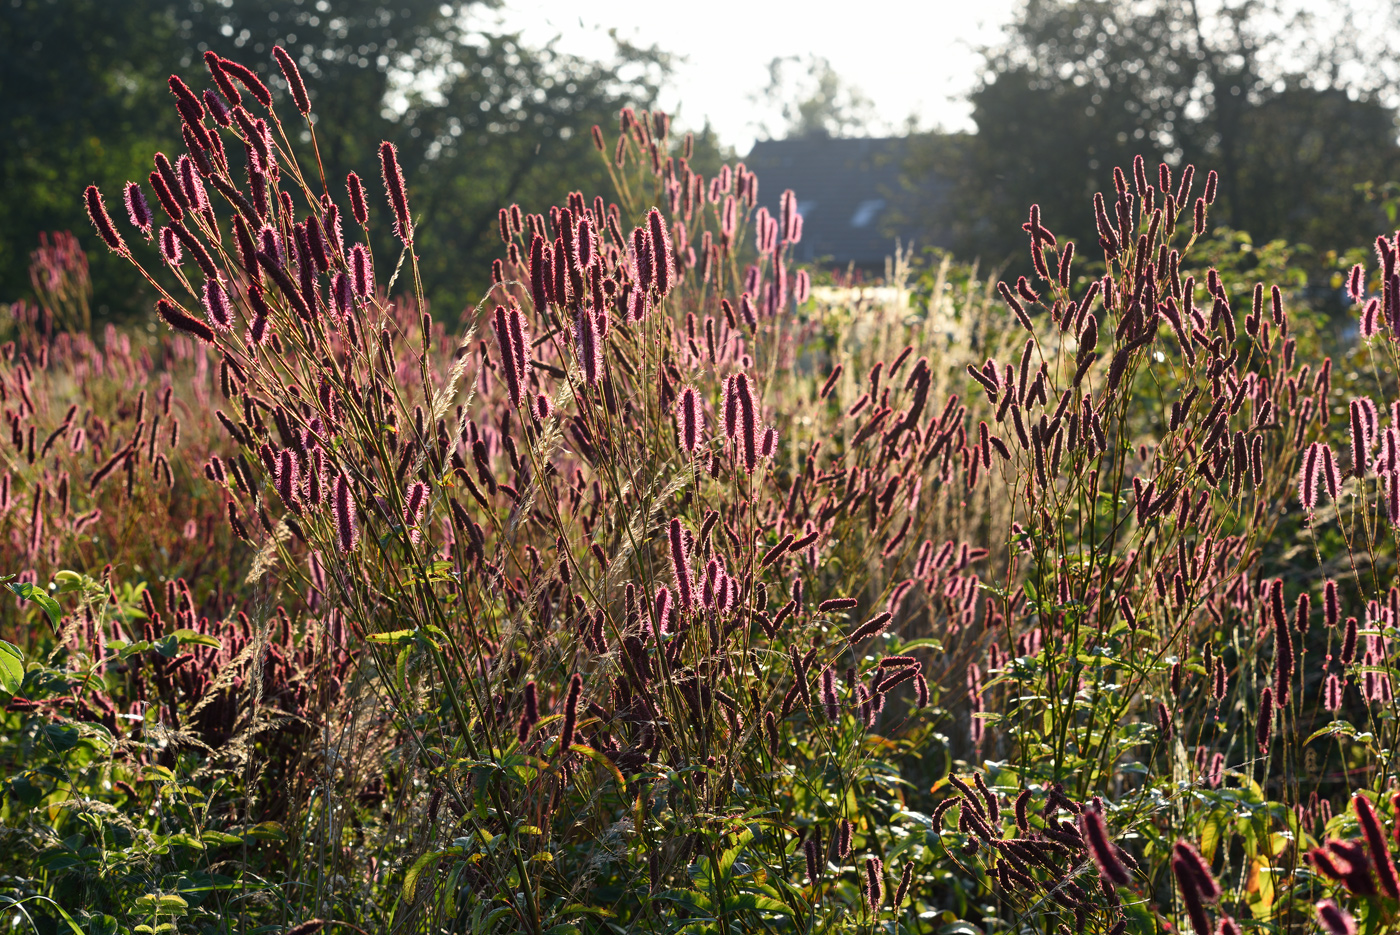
<point>663,268</point>
<point>831,381</point>
<point>1206,885</point>
<point>812,849</point>
<point>167,198</point>
<point>1334,919</point>
<point>257,329</point>
<point>1332,693</point>
<point>191,184</point>
<point>248,79</point>
<point>97,213</point>
<point>748,422</point>
<point>358,205</point>
<point>510,367</point>
<point>361,271</point>
<point>1191,897</point>
<point>1360,446</point>
<point>589,346</point>
<point>1283,643</point>
<point>837,603</point>
<point>414,502</point>
<point>1356,283</point>
<point>288,479</point>
<point>177,319</point>
<point>170,249</point>
<point>1330,603</point>
<point>216,305</point>
<point>347,525</point>
<point>690,420</point>
<point>1309,477</point>
<point>874,883</point>
<point>1014,304</point>
<point>802,288</point>
<point>137,210</point>
<point>342,294</point>
<point>641,257</point>
<point>680,566</point>
<point>395,190</point>
<point>1095,832</point>
<point>1370,323</point>
<point>541,273</point>
<point>566,734</point>
<point>1348,653</point>
<point>530,716</point>
<point>583,244</point>
<point>1330,476</point>
<point>221,78</point>
<point>1264,727</point>
<point>293,76</point>
<point>829,700</point>
<point>661,607</point>
<point>872,627</point>
<point>1374,835</point>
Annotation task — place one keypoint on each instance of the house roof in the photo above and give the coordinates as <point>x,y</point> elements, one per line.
<point>848,193</point>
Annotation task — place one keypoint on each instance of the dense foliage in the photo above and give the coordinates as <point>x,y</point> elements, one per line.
<point>481,118</point>
<point>678,593</point>
<point>1294,104</point>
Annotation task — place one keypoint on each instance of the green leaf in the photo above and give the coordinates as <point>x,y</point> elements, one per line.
<point>1344,728</point>
<point>11,667</point>
<point>184,840</point>
<point>266,831</point>
<point>576,908</point>
<point>199,639</point>
<point>162,904</point>
<point>39,596</point>
<point>410,879</point>
<point>928,641</point>
<point>754,901</point>
<point>396,636</point>
<point>69,581</point>
<point>602,761</point>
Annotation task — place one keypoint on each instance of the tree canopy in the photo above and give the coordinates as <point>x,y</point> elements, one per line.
<point>1293,125</point>
<point>480,120</point>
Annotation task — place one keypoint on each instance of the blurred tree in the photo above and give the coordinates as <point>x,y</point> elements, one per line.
<point>1283,112</point>
<point>480,120</point>
<point>813,100</point>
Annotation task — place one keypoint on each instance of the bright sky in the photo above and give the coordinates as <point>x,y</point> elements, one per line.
<point>909,57</point>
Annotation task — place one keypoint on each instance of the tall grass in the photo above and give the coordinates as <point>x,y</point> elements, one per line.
<point>663,595</point>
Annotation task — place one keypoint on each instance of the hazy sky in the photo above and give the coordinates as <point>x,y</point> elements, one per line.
<point>908,57</point>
